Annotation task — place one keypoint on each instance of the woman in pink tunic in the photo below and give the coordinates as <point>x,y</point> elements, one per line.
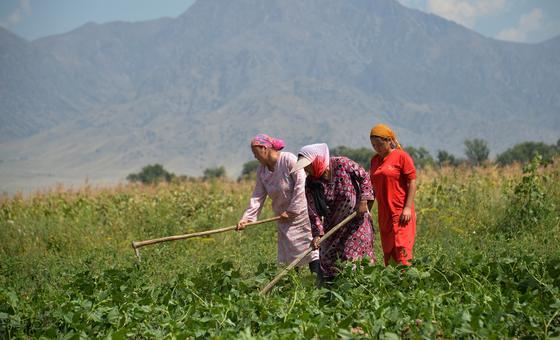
<point>287,191</point>
<point>336,187</point>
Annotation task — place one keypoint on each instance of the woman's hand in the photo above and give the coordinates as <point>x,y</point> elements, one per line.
<point>315,242</point>
<point>362,208</point>
<point>405,216</point>
<point>287,216</point>
<point>241,225</point>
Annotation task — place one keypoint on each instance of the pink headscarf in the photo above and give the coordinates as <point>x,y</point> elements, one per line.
<point>268,142</point>
<point>318,155</point>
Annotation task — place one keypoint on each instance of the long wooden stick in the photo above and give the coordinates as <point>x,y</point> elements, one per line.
<point>294,263</point>
<point>138,244</point>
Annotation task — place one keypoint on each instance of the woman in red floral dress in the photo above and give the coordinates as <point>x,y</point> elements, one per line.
<point>336,187</point>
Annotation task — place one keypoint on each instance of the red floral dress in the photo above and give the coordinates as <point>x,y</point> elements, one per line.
<point>348,185</point>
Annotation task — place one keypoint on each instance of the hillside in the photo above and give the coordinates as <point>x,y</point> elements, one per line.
<point>103,100</point>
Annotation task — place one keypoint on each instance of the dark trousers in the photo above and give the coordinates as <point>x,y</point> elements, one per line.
<point>315,267</point>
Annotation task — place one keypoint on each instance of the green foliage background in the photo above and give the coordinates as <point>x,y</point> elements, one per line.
<point>150,174</point>
<point>68,270</point>
<point>524,152</point>
<point>214,173</point>
<point>477,151</point>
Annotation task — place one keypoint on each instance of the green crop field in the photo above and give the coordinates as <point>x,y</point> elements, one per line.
<point>487,264</point>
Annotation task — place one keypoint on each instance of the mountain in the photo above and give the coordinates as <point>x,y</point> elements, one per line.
<point>30,81</point>
<point>189,92</point>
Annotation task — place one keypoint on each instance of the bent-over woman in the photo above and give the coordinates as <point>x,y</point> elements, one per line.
<point>286,188</point>
<point>336,187</point>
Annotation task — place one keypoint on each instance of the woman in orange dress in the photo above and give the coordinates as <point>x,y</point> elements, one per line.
<point>393,177</point>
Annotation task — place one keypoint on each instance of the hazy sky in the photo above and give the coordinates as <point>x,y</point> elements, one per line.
<point>515,20</point>
<point>32,19</point>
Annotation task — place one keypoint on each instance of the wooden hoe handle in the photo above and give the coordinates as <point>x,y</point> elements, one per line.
<point>294,263</point>
<point>138,244</point>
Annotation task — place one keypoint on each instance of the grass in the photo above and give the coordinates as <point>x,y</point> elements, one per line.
<point>68,269</point>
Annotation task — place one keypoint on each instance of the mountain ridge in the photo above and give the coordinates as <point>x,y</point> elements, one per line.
<point>190,91</point>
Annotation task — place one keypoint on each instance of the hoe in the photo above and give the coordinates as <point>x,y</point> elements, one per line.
<point>138,244</point>
<point>294,263</point>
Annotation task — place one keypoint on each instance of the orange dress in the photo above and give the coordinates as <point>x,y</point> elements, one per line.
<point>390,177</point>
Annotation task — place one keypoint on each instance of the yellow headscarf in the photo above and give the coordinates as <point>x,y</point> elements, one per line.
<point>382,130</point>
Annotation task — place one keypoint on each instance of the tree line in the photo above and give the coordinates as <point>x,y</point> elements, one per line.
<point>155,173</point>
<point>476,153</point>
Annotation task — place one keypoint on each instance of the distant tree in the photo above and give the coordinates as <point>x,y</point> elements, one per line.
<point>214,173</point>
<point>249,170</point>
<point>151,174</point>
<point>476,151</point>
<point>526,151</point>
<point>444,158</point>
<point>361,156</point>
<point>421,156</point>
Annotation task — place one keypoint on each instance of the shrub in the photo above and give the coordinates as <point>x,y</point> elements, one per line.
<point>361,155</point>
<point>529,203</point>
<point>445,158</point>
<point>421,157</point>
<point>214,173</point>
<point>476,151</point>
<point>151,174</point>
<point>249,170</point>
<point>525,152</point>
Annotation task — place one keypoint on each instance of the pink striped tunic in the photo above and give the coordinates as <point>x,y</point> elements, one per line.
<point>288,194</point>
